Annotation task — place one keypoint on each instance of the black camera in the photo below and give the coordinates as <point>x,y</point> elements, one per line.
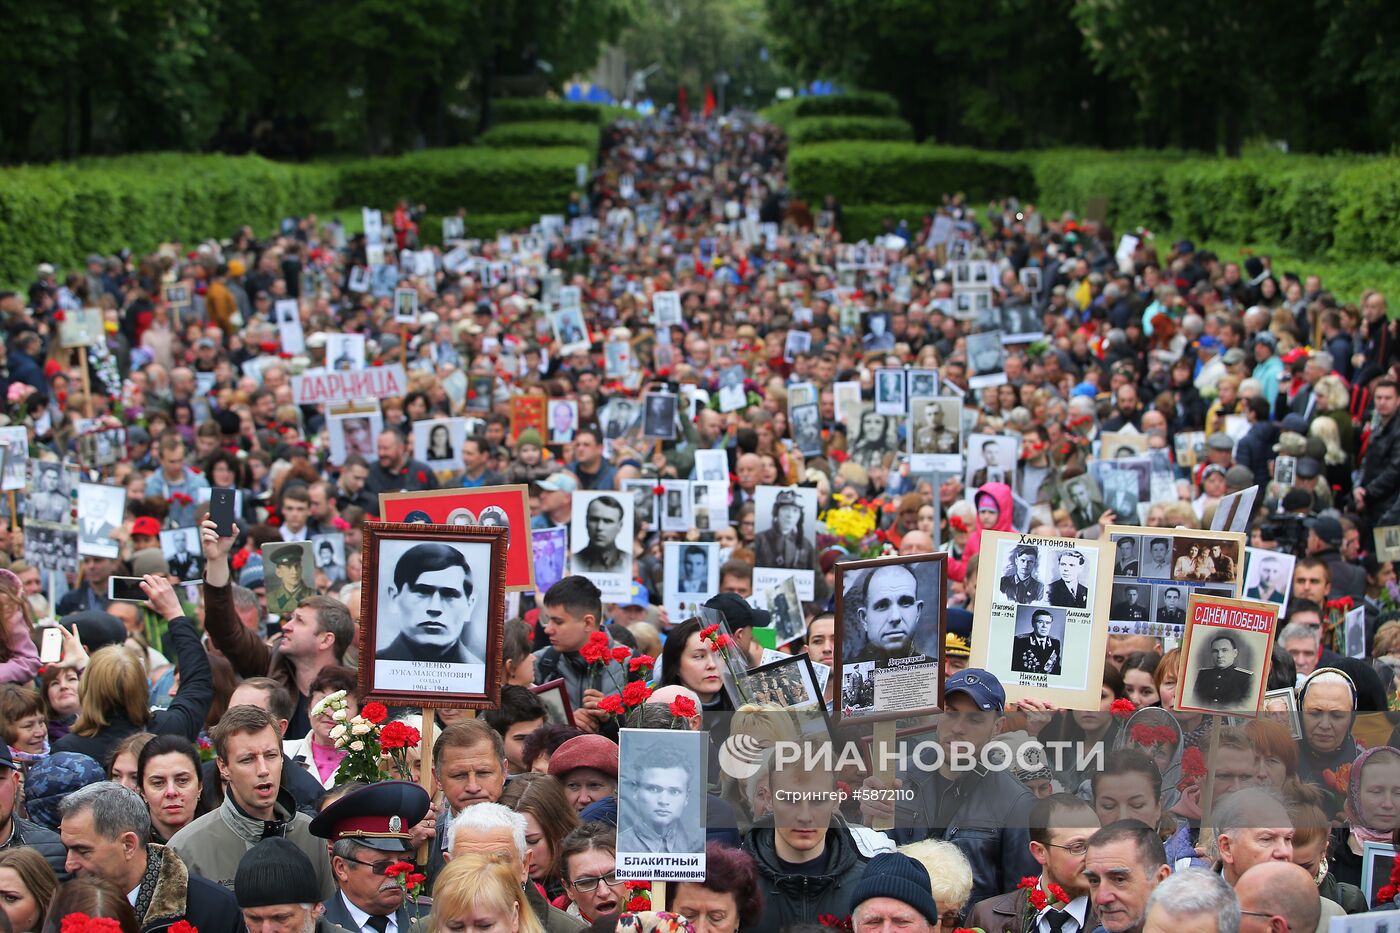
<point>1289,532</point>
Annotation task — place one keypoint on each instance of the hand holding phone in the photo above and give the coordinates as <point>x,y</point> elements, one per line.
<point>125,589</point>
<point>51,645</point>
<point>221,503</point>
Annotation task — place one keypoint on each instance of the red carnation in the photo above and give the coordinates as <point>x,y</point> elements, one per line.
<point>612,703</point>
<point>596,650</point>
<point>422,476</point>
<point>398,868</point>
<point>183,926</point>
<point>1059,894</point>
<point>639,904</point>
<point>638,885</point>
<point>709,630</point>
<point>1028,882</point>
<point>59,316</point>
<point>1037,899</point>
<point>684,707</point>
<point>639,662</point>
<point>621,654</point>
<point>658,489</point>
<point>397,735</point>
<point>635,693</point>
<point>375,712</point>
<point>1122,708</point>
<point>723,641</point>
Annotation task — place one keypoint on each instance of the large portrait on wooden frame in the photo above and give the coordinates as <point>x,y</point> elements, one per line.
<point>891,620</point>
<point>432,615</point>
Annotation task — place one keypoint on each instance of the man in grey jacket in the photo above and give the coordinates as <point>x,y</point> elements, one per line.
<point>248,750</point>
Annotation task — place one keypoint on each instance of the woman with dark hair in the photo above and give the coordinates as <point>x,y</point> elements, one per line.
<point>1138,683</point>
<point>168,779</point>
<point>519,653</point>
<point>728,899</point>
<point>90,897</point>
<point>543,742</point>
<point>25,725</point>
<point>690,661</point>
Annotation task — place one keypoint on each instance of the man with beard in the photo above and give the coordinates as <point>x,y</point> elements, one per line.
<point>1060,827</point>
<point>889,611</point>
<point>785,544</point>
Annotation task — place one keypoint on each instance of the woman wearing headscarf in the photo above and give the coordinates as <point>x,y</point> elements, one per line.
<point>1372,810</point>
<point>1327,709</point>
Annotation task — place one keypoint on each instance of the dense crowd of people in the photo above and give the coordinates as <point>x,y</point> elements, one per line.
<point>180,757</point>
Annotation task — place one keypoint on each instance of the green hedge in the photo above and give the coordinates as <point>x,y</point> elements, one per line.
<point>541,133</point>
<point>485,180</point>
<point>61,213</point>
<point>1132,182</point>
<point>903,173</point>
<point>854,104</point>
<point>866,221</point>
<point>828,129</point>
<point>536,109</point>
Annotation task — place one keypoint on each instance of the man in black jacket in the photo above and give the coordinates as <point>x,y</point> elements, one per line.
<point>18,832</point>
<point>808,862</point>
<point>1380,468</point>
<point>105,828</point>
<point>984,813</point>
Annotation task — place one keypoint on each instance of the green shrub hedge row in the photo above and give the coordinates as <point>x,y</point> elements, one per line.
<point>829,129</point>
<point>855,104</point>
<point>541,133</point>
<point>537,109</point>
<point>902,173</point>
<point>61,213</point>
<point>491,181</point>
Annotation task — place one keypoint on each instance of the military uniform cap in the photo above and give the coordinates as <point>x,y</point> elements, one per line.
<point>378,816</point>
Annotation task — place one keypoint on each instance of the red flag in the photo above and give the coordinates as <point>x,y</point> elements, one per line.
<point>680,103</point>
<point>709,101</point>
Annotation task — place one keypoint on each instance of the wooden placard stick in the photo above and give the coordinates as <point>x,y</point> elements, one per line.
<point>87,381</point>
<point>1208,790</point>
<point>14,511</point>
<point>882,747</point>
<point>425,768</point>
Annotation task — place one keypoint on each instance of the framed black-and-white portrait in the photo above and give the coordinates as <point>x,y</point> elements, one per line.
<point>432,615</point>
<point>712,465</point>
<point>570,332</point>
<point>81,327</point>
<point>889,392</point>
<point>345,352</point>
<point>675,505</point>
<point>797,342</point>
<point>290,573</point>
<point>785,612</point>
<point>15,441</point>
<point>732,395</point>
<point>600,545</point>
<point>661,804</point>
<point>554,694</point>
<point>690,571</point>
<point>51,547</point>
<point>935,435</point>
<point>50,498</point>
<point>328,552</point>
<point>659,416</point>
<point>101,510</point>
<point>183,552</point>
<point>666,309</point>
<point>1268,575</point>
<point>785,534</point>
<point>891,621</point>
<point>991,458</point>
<point>986,357</point>
<point>618,416</point>
<point>805,422</point>
<point>1281,705</point>
<point>876,333</point>
<point>438,442</point>
<point>405,306</point>
<point>289,331</point>
<point>355,430</point>
<point>644,502</point>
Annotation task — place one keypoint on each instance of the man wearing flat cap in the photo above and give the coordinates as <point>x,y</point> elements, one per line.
<point>276,890</point>
<point>785,544</point>
<point>370,829</point>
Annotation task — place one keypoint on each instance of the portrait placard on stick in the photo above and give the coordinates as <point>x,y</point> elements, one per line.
<point>601,542</point>
<point>1225,655</point>
<point>661,805</point>
<point>891,621</point>
<point>432,615</point>
<point>1033,622</point>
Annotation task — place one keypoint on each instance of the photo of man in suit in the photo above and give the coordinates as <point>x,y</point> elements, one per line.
<point>1069,590</point>
<point>659,791</point>
<point>992,470</point>
<point>1128,608</point>
<point>784,543</point>
<point>888,610</point>
<point>1036,652</point>
<point>1270,583</point>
